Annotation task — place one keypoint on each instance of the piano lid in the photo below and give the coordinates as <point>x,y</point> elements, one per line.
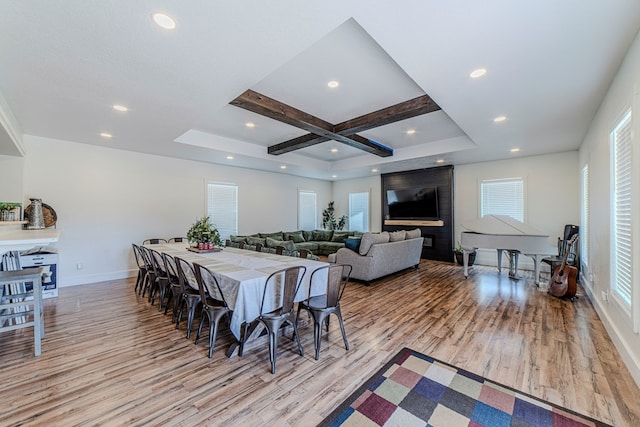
<point>501,225</point>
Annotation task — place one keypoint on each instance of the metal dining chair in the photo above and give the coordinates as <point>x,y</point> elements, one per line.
<point>178,240</point>
<point>190,296</point>
<point>281,285</point>
<point>322,306</point>
<point>214,306</point>
<point>142,267</point>
<point>154,241</point>
<point>162,281</point>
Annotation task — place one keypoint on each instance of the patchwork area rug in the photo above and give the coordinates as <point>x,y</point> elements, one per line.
<point>416,390</point>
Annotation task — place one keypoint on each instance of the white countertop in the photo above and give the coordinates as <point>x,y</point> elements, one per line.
<point>18,240</point>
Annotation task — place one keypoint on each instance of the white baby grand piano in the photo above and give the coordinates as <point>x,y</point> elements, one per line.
<point>502,232</point>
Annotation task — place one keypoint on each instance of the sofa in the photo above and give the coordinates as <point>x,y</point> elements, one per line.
<point>380,254</point>
<point>319,242</point>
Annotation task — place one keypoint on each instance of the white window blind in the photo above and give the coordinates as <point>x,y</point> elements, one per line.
<point>502,197</point>
<point>307,210</point>
<point>222,208</point>
<point>359,211</point>
<point>584,225</point>
<point>622,196</point>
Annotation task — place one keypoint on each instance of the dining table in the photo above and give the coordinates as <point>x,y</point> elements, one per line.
<point>242,276</point>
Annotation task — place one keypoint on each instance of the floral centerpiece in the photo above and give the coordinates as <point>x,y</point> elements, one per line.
<point>203,232</point>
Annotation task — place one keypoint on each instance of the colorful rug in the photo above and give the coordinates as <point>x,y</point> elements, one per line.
<point>416,390</point>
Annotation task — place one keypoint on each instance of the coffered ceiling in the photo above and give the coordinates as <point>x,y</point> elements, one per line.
<point>65,63</point>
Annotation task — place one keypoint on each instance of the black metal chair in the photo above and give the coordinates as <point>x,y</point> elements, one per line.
<point>178,240</point>
<point>573,257</point>
<point>276,309</point>
<point>322,306</point>
<point>150,277</point>
<point>154,241</point>
<point>187,279</point>
<point>142,267</point>
<point>174,297</point>
<point>214,306</point>
<point>304,253</point>
<point>162,281</point>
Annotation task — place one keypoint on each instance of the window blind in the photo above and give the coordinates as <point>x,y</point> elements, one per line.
<point>622,195</point>
<point>502,197</point>
<point>359,211</point>
<point>307,210</point>
<point>222,208</point>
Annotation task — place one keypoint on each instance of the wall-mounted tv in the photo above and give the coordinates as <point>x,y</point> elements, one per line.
<point>413,203</point>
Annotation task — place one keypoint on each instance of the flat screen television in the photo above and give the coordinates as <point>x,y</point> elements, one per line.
<point>413,203</point>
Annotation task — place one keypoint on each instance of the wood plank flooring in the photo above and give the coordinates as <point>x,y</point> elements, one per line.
<point>109,358</point>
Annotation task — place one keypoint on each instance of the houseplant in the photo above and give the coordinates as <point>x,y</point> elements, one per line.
<point>457,252</point>
<point>329,221</point>
<point>203,231</point>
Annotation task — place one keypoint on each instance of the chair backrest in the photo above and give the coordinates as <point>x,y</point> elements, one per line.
<point>282,285</point>
<point>139,257</point>
<point>279,250</point>
<point>154,241</point>
<point>204,276</point>
<point>157,262</point>
<point>258,247</point>
<point>304,253</point>
<point>569,231</point>
<point>170,267</point>
<point>146,258</point>
<point>177,239</point>
<point>186,275</point>
<point>337,278</point>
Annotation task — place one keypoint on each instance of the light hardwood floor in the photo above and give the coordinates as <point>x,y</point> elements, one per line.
<point>109,358</point>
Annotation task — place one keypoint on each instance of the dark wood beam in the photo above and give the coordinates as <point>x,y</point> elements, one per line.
<point>402,111</point>
<point>269,107</point>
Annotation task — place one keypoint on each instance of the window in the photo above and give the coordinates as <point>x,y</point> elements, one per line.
<point>359,211</point>
<point>502,197</point>
<point>307,210</point>
<point>584,225</point>
<point>621,262</point>
<point>222,208</point>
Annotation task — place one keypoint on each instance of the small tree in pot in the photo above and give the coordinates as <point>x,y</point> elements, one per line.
<point>457,252</point>
<point>329,221</point>
<point>202,231</point>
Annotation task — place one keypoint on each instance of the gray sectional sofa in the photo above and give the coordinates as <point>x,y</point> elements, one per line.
<point>319,242</point>
<point>380,254</point>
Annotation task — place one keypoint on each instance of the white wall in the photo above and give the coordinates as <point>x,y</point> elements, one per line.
<point>552,195</point>
<point>11,173</point>
<point>595,151</point>
<point>341,190</point>
<point>106,199</point>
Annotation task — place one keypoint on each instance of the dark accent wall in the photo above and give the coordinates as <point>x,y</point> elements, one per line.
<point>439,240</point>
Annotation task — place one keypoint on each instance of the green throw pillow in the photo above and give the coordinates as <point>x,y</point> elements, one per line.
<point>277,235</point>
<point>237,239</point>
<point>296,236</point>
<point>255,240</point>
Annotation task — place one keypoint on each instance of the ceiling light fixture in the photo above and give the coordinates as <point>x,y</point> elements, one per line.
<point>514,150</point>
<point>374,170</point>
<point>411,131</point>
<point>440,161</point>
<point>229,157</point>
<point>500,119</point>
<point>106,135</point>
<point>478,72</point>
<point>164,21</point>
<point>334,150</point>
<point>333,84</point>
<point>334,176</point>
<point>250,124</point>
<point>120,107</point>
<point>283,167</point>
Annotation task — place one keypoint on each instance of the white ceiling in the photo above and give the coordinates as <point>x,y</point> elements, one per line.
<point>64,63</point>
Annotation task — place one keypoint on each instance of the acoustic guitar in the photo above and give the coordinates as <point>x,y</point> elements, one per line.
<point>563,280</point>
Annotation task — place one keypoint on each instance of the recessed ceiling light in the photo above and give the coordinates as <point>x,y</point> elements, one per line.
<point>333,84</point>
<point>411,131</point>
<point>440,161</point>
<point>250,124</point>
<point>120,107</point>
<point>106,135</point>
<point>283,167</point>
<point>334,150</point>
<point>374,170</point>
<point>514,150</point>
<point>164,21</point>
<point>229,157</point>
<point>500,119</point>
<point>334,176</point>
<point>478,72</point>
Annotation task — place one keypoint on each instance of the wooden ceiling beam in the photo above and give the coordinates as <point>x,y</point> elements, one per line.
<point>269,107</point>
<point>395,113</point>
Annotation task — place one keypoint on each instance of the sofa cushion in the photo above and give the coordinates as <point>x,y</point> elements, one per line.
<point>352,243</point>
<point>325,248</point>
<point>277,235</point>
<point>396,236</point>
<point>296,236</point>
<point>308,235</point>
<point>413,234</point>
<point>310,246</point>
<point>255,240</point>
<point>370,239</point>
<point>339,236</point>
<point>322,235</point>
<point>287,244</point>
<point>237,239</point>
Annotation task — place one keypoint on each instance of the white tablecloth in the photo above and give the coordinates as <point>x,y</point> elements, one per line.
<point>242,275</point>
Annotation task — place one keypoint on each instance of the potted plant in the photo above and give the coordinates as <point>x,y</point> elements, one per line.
<point>7,211</point>
<point>202,231</point>
<point>457,252</point>
<point>329,221</point>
